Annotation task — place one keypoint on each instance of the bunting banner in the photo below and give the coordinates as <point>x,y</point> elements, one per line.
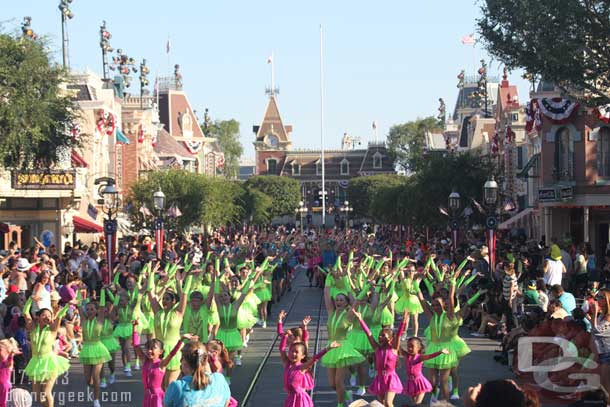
<point>141,133</point>
<point>106,122</point>
<point>491,244</point>
<point>559,110</point>
<point>603,113</point>
<point>194,147</point>
<point>220,161</point>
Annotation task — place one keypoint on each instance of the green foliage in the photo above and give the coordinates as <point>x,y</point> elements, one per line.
<point>285,193</point>
<point>257,206</point>
<point>227,134</point>
<point>564,42</point>
<point>362,190</point>
<point>201,199</point>
<point>406,142</point>
<point>35,114</point>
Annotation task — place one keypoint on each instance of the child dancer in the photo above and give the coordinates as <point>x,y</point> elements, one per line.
<point>299,334</point>
<point>153,367</point>
<point>94,354</point>
<point>108,339</point>
<point>296,366</point>
<point>386,383</point>
<point>8,348</point>
<point>219,358</point>
<point>123,329</point>
<point>417,385</point>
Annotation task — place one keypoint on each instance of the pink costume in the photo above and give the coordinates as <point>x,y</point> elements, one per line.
<point>297,381</point>
<point>308,378</point>
<point>152,376</point>
<point>6,369</point>
<point>416,381</point>
<point>386,380</point>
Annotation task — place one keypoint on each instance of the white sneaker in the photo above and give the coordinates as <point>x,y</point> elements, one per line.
<point>238,360</point>
<point>128,372</point>
<point>136,366</point>
<point>96,403</point>
<point>264,324</point>
<point>455,396</point>
<point>450,383</point>
<point>103,384</point>
<point>361,391</point>
<point>404,337</point>
<point>352,380</point>
<point>111,379</point>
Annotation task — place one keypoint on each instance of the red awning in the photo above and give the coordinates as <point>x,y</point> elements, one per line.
<point>82,225</point>
<point>77,160</point>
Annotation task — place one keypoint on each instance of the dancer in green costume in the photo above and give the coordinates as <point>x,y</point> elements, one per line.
<point>45,365</point>
<point>408,301</point>
<point>108,339</point>
<point>168,319</point>
<point>337,360</point>
<point>93,354</point>
<point>196,316</point>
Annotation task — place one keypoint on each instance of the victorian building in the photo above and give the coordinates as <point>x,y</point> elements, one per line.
<point>275,156</point>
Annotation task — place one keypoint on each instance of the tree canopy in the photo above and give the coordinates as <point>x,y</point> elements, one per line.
<point>362,190</point>
<point>227,134</point>
<point>285,193</point>
<point>36,115</point>
<point>564,42</point>
<point>406,142</point>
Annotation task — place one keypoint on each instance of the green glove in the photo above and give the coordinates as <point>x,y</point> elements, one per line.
<point>103,298</point>
<point>474,298</point>
<point>470,280</point>
<point>27,306</point>
<point>62,312</point>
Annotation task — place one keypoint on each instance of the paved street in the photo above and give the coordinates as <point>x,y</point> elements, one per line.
<point>267,390</point>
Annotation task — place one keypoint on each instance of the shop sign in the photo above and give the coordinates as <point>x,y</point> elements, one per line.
<point>44,179</point>
<point>566,193</point>
<point>547,195</point>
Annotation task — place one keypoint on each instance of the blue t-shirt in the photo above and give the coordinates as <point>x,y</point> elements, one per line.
<point>568,302</point>
<point>180,394</point>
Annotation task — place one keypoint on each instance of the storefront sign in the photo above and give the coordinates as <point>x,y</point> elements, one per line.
<point>547,195</point>
<point>44,179</point>
<point>566,193</point>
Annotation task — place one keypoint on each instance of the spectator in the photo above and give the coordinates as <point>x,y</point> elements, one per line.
<point>530,295</point>
<point>568,302</point>
<point>543,298</point>
<point>601,334</point>
<point>553,267</point>
<point>509,293</point>
<point>556,310</point>
<point>486,395</point>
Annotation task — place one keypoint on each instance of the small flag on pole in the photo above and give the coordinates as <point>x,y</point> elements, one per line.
<point>168,46</point>
<point>145,211</point>
<point>478,206</point>
<point>270,59</point>
<point>468,39</point>
<point>443,211</point>
<point>374,124</point>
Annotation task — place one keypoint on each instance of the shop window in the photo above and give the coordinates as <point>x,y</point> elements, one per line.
<point>603,152</point>
<point>344,167</point>
<point>296,169</point>
<point>564,152</point>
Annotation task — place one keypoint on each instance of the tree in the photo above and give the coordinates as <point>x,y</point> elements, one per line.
<point>257,206</point>
<point>227,134</point>
<point>35,114</point>
<point>285,193</point>
<point>406,142</point>
<point>564,42</point>
<point>361,191</point>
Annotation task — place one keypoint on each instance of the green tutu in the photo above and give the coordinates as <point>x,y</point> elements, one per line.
<point>264,294</point>
<point>410,303</point>
<point>360,341</point>
<point>94,353</point>
<point>343,356</point>
<point>245,317</point>
<point>42,368</point>
<point>111,343</point>
<point>231,338</point>
<point>459,347</point>
<point>174,363</point>
<point>442,361</point>
<point>123,330</point>
<point>387,318</point>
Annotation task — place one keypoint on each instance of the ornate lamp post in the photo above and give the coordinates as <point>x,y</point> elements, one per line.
<point>66,14</point>
<point>490,195</point>
<point>346,209</point>
<point>105,37</point>
<point>144,80</point>
<point>159,204</point>
<point>323,194</point>
<point>124,64</point>
<point>110,204</point>
<point>26,28</point>
<point>301,210</point>
<point>454,207</point>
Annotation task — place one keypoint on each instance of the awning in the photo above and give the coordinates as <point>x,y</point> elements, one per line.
<point>533,161</point>
<point>82,225</point>
<point>507,224</point>
<point>77,160</point>
<point>120,137</point>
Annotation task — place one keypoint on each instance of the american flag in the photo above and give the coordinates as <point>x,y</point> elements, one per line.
<point>468,39</point>
<point>443,211</point>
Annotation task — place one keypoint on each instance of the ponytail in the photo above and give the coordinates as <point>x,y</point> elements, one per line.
<point>196,356</point>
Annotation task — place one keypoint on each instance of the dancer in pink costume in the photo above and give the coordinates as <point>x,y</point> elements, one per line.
<point>417,385</point>
<point>296,367</point>
<point>292,335</point>
<point>386,383</point>
<point>153,367</point>
<point>8,348</point>
<point>218,357</point>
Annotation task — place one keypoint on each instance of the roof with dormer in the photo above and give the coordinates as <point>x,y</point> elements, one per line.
<point>272,123</point>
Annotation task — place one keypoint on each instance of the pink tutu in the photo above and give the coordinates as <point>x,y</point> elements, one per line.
<point>417,385</point>
<point>383,383</point>
<point>298,399</point>
<point>233,402</point>
<point>307,381</point>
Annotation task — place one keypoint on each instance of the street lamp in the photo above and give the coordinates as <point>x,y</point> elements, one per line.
<point>323,194</point>
<point>110,203</point>
<point>346,209</point>
<point>159,204</point>
<point>105,37</point>
<point>490,195</point>
<point>454,207</point>
<point>66,14</point>
<point>301,210</point>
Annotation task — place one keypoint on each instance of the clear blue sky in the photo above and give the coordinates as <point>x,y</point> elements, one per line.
<point>388,61</point>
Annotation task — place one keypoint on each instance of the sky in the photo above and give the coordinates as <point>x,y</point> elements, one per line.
<point>387,61</point>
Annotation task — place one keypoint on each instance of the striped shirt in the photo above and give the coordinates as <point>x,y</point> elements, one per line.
<point>509,287</point>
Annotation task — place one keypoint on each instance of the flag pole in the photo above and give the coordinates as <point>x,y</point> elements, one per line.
<point>322,130</point>
<point>272,74</point>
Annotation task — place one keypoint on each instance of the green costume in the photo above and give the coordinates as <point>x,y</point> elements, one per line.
<point>45,364</point>
<point>345,355</point>
<point>93,352</point>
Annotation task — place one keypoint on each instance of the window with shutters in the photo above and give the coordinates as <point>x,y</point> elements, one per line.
<point>272,166</point>
<point>344,167</point>
<point>564,155</point>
